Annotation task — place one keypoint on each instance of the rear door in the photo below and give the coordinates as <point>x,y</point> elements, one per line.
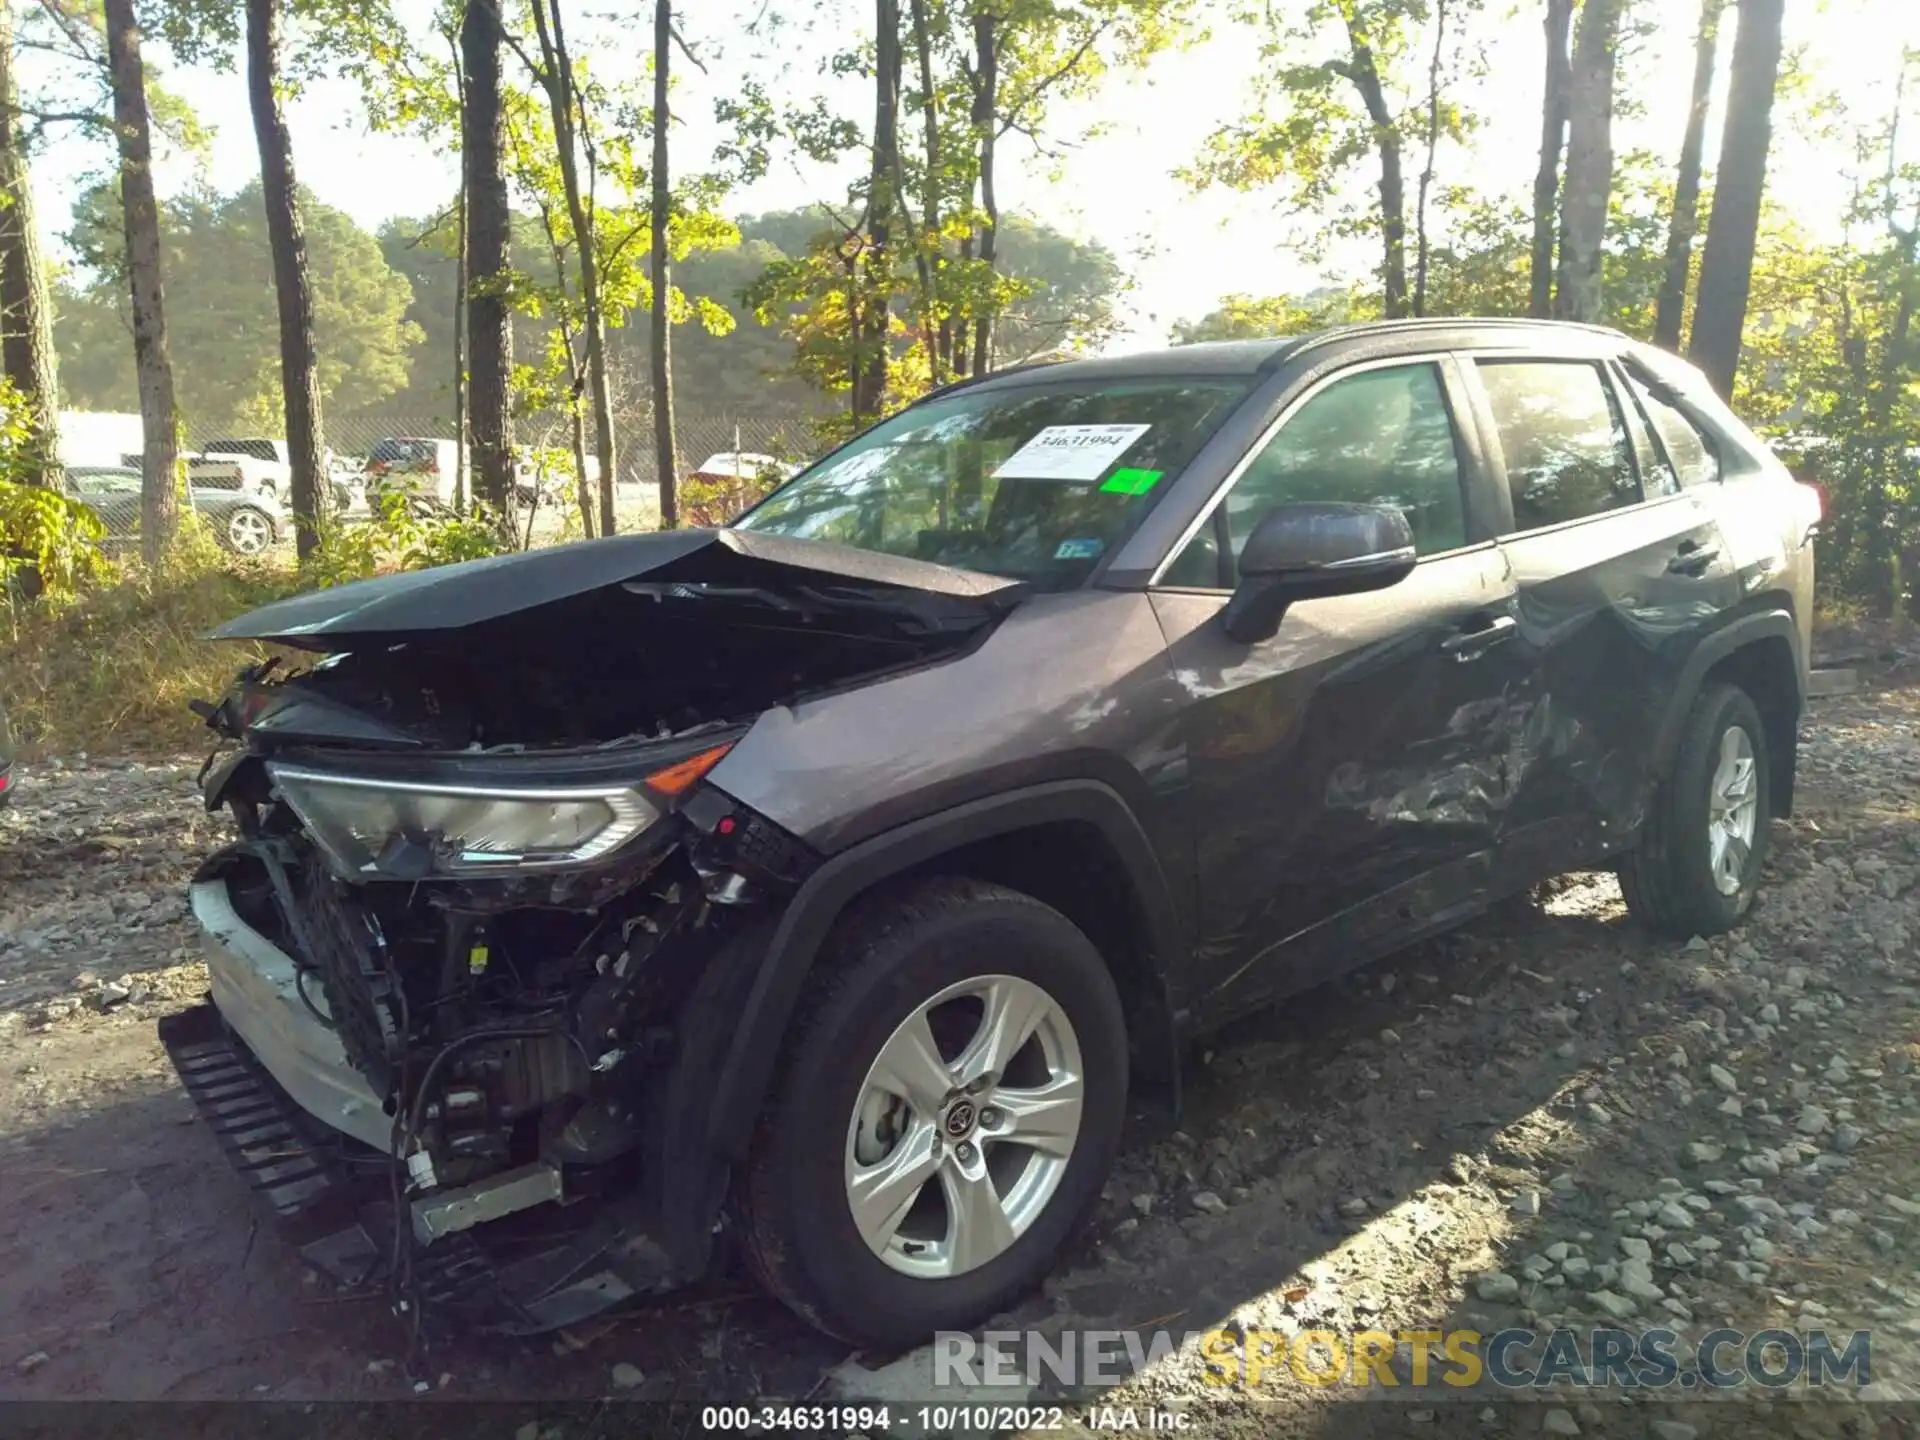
<point>1619,570</point>
<point>1345,775</point>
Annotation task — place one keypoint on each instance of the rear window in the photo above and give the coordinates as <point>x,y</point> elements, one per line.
<point>1686,449</point>
<point>1565,443</point>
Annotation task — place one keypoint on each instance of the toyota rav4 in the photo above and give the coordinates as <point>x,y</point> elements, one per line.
<point>812,889</point>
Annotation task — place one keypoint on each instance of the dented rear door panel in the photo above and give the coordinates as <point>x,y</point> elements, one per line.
<point>1610,608</point>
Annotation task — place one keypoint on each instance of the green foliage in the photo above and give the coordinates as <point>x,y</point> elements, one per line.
<point>223,327</point>
<point>49,544</point>
<point>403,537</point>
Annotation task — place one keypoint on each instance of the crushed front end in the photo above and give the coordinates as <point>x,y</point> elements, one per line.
<point>480,948</point>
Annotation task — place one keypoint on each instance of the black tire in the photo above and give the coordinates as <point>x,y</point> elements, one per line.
<point>885,960</point>
<point>1668,878</point>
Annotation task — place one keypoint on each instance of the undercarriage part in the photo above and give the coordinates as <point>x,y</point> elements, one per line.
<point>450,1211</point>
<point>552,1271</point>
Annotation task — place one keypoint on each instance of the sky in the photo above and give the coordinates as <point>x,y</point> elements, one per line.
<point>1112,177</point>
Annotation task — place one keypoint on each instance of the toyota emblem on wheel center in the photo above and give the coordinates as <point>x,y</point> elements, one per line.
<point>960,1118</point>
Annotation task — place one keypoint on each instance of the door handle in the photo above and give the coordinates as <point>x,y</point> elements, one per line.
<point>1693,558</point>
<point>1467,644</point>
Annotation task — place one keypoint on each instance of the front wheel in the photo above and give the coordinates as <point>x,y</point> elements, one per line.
<point>1697,866</point>
<point>247,531</point>
<point>948,1107</point>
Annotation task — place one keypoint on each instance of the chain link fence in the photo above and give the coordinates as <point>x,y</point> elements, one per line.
<point>237,483</point>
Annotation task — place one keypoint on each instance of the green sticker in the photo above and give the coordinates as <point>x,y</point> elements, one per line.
<point>1126,481</point>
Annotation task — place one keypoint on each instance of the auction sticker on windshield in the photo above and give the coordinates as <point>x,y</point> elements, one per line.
<point>1070,452</point>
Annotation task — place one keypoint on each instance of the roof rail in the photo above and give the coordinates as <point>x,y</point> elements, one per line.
<point>1434,322</point>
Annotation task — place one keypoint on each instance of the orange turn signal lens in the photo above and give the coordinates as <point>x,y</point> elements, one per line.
<point>680,776</point>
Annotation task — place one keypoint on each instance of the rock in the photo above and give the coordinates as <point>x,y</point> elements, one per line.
<point>1576,1267</point>
<point>1812,1120</point>
<point>1143,1203</point>
<point>1497,1286</point>
<point>1846,1138</point>
<point>1729,1106</point>
<point>1634,1248</point>
<point>1680,1256</point>
<point>111,994</point>
<point>1674,1217</point>
<point>528,1431</point>
<point>1559,1422</point>
<point>1559,1251</point>
<point>1420,1417</point>
<point>27,1364</point>
<point>1722,1079</point>
<point>1208,1203</point>
<point>627,1377</point>
<point>1527,1202</point>
<point>1671,1430</point>
<point>1562,1184</point>
<point>1760,1248</point>
<point>1614,1307</point>
<point>1702,1152</point>
<point>1902,1207</point>
<point>1769,1014</point>
<point>1636,1278</point>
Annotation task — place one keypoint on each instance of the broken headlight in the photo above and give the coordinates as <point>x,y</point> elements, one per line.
<point>405,830</point>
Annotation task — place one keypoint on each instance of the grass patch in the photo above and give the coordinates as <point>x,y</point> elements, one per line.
<point>111,673</point>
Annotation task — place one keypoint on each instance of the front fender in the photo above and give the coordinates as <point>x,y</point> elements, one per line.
<point>748,1070</point>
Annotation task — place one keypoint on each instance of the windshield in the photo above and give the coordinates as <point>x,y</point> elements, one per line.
<point>1035,483</point>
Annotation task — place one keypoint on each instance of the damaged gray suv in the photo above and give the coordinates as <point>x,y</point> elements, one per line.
<point>809,890</point>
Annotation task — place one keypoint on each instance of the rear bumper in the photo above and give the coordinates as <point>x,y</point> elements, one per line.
<point>256,988</point>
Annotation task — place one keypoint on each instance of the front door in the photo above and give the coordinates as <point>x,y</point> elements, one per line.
<point>1347,776</point>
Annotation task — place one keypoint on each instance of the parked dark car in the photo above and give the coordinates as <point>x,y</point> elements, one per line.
<point>247,523</point>
<point>819,882</point>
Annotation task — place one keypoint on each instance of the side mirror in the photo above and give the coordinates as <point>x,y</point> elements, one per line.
<point>1307,552</point>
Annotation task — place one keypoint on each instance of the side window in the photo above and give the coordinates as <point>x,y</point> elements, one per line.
<point>1692,458</point>
<point>1565,444</point>
<point>1657,477</point>
<point>1382,437</point>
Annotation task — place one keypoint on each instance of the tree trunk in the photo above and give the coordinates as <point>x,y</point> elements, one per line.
<point>1686,188</point>
<point>1365,75</point>
<point>160,453</point>
<point>26,310</point>
<point>1589,178</point>
<point>1726,266</point>
<point>299,362</point>
<point>1424,250</point>
<point>1553,135</point>
<point>928,253</point>
<point>870,383</point>
<point>489,335</point>
<point>557,80</point>
<point>666,463</point>
<point>986,120</point>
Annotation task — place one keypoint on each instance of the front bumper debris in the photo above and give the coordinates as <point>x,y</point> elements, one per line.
<point>307,1133</point>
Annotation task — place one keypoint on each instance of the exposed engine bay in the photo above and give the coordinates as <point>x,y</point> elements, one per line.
<point>491,855</point>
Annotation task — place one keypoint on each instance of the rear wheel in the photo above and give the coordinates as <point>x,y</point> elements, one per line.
<point>1697,866</point>
<point>948,1108</point>
<point>248,531</point>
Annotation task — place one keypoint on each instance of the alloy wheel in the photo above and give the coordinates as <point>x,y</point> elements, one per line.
<point>964,1126</point>
<point>1733,808</point>
<point>248,532</point>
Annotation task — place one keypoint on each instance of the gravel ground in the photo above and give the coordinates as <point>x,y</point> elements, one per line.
<point>1547,1118</point>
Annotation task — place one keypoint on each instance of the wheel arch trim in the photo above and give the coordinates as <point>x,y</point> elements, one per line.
<point>1737,635</point>
<point>813,909</point>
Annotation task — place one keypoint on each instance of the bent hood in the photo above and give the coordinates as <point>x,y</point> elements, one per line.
<point>419,604</point>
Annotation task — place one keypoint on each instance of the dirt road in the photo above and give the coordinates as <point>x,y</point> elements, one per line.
<point>1546,1118</point>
